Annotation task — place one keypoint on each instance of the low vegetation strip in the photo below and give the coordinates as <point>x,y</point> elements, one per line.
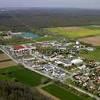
<point>19,73</point>
<point>60,92</point>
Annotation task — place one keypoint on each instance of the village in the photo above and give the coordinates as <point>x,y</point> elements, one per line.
<point>49,50</point>
<point>59,60</point>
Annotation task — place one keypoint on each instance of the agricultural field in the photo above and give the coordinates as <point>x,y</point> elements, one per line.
<point>94,55</point>
<point>61,93</point>
<point>5,61</point>
<point>3,57</point>
<point>7,64</point>
<point>95,40</point>
<point>19,73</point>
<point>74,32</point>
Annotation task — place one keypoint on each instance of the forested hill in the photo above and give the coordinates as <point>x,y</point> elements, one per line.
<point>28,18</point>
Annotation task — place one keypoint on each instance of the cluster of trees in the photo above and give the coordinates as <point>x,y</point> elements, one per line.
<point>25,20</point>
<point>17,91</point>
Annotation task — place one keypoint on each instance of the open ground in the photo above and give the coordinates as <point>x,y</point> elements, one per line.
<point>5,61</point>
<point>3,57</point>
<point>95,41</point>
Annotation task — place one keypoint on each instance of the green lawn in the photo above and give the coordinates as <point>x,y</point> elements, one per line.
<point>74,32</point>
<point>61,92</point>
<point>21,74</point>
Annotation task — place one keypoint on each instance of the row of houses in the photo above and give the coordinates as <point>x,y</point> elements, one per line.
<point>22,50</point>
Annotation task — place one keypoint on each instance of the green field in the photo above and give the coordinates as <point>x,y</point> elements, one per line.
<point>22,75</point>
<point>74,32</point>
<point>44,39</point>
<point>61,92</point>
<point>94,55</point>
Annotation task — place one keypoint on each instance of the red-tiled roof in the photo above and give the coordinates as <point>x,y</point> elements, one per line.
<point>19,47</point>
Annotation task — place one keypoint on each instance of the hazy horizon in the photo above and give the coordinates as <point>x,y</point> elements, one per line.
<point>83,4</point>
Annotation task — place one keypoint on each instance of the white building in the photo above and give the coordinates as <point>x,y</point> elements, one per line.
<point>77,61</point>
<point>77,43</point>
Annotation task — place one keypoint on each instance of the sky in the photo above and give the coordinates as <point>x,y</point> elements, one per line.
<point>94,4</point>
